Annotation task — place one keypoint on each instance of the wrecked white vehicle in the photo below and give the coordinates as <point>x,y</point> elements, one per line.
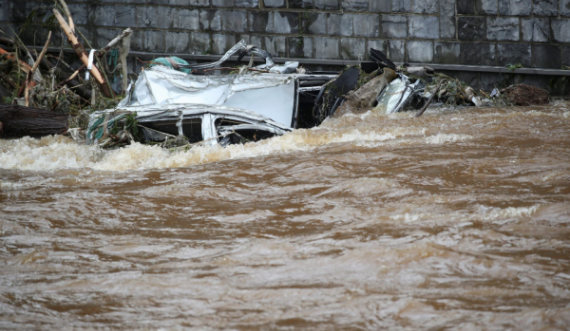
<point>166,105</point>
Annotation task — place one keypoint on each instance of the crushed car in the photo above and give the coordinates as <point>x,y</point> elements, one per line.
<point>167,105</point>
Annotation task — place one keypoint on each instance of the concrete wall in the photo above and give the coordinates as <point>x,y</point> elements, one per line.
<point>534,33</point>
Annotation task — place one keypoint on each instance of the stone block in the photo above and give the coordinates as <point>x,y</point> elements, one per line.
<point>340,24</point>
<point>168,17</point>
<point>154,2</point>
<point>487,81</point>
<point>233,20</point>
<point>426,6</point>
<point>514,54</point>
<point>380,6</point>
<point>327,4</point>
<point>420,51</point>
<point>285,22</point>
<point>221,43</point>
<point>564,8</point>
<point>477,7</point>
<point>367,25</point>
<point>80,13</point>
<point>256,40</point>
<point>199,43</point>
<point>471,28</point>
<point>546,56</point>
<point>561,30</point>
<point>301,4</point>
<point>223,3</point>
<point>353,49</point>
<point>276,45</point>
<point>177,42</point>
<point>300,47</point>
<point>137,40</point>
<point>197,3</point>
<point>274,3</point>
<point>200,3</point>
<point>315,23</point>
<point>499,28</point>
<point>424,27</point>
<point>258,21</point>
<point>535,29</point>
<point>124,16</point>
<point>247,3</point>
<point>401,6</point>
<point>154,41</point>
<point>189,19</point>
<point>515,7</point>
<point>379,44</point>
<point>326,48</point>
<point>103,15</point>
<point>566,56</point>
<point>447,19</point>
<point>146,17</point>
<point>210,20</point>
<point>354,5</point>
<point>545,8</point>
<point>447,53</point>
<point>478,54</point>
<point>104,36</point>
<point>394,26</point>
<point>17,11</point>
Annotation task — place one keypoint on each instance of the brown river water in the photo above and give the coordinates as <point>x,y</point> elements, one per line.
<point>457,220</point>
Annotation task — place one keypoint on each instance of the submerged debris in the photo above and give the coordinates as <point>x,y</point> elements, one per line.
<point>365,97</point>
<point>526,95</point>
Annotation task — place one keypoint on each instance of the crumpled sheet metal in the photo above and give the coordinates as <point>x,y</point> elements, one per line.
<point>396,95</point>
<point>180,112</point>
<point>271,95</point>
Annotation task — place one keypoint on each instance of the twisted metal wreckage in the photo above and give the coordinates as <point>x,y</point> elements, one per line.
<point>177,104</point>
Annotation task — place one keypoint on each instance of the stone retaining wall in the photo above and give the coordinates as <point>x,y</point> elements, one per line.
<point>534,33</point>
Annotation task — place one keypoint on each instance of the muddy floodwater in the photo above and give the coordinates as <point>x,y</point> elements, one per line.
<point>457,220</point>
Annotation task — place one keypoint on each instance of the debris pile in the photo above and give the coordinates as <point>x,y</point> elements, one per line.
<point>58,82</point>
<point>526,95</point>
<point>176,103</point>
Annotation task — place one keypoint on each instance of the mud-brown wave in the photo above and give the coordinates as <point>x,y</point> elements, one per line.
<point>455,220</point>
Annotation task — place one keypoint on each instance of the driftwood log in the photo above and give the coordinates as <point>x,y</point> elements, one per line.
<point>19,121</point>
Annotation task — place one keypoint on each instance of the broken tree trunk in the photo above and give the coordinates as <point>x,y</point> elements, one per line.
<point>80,50</point>
<point>19,121</point>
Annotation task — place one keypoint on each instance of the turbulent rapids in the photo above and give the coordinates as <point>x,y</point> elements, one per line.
<point>456,220</point>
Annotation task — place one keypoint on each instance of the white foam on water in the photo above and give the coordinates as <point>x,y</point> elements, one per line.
<point>444,138</point>
<point>505,215</point>
<point>58,152</point>
<point>47,153</point>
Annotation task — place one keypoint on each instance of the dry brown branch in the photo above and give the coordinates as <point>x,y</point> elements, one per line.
<point>44,50</point>
<point>70,78</point>
<point>127,32</point>
<point>34,68</point>
<point>68,13</point>
<point>80,50</point>
<point>420,113</point>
